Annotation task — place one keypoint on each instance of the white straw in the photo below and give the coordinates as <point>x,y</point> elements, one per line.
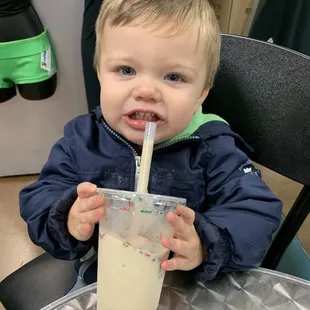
<point>146,157</point>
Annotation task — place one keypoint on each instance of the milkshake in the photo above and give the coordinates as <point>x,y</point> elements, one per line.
<point>130,278</point>
<point>129,273</point>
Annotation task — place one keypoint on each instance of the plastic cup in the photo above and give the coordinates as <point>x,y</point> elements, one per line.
<point>129,258</point>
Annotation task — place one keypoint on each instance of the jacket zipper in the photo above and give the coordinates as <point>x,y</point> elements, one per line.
<point>175,142</point>
<point>138,163</point>
<point>134,152</point>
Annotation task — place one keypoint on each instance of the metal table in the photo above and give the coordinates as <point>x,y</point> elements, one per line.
<point>254,289</point>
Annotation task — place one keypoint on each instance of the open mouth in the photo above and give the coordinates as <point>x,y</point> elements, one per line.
<point>144,116</point>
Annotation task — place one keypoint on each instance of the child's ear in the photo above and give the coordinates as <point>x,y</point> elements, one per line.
<point>202,98</point>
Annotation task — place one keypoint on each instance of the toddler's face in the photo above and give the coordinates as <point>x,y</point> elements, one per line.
<point>148,76</point>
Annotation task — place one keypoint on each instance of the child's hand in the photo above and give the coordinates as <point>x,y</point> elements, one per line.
<point>86,211</point>
<point>186,245</point>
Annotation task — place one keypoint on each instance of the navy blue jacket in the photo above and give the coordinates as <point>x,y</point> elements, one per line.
<point>236,213</point>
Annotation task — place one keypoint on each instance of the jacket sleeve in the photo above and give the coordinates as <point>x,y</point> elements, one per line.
<point>241,213</point>
<point>45,204</point>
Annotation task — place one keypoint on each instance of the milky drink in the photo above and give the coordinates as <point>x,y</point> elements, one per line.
<point>129,273</point>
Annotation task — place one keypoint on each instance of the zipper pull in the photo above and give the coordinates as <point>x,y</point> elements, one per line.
<point>138,163</point>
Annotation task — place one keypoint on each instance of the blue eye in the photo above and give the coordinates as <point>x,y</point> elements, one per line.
<point>173,77</point>
<point>128,71</point>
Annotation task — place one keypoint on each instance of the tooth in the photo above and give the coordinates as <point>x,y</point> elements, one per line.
<point>138,116</point>
<point>148,116</point>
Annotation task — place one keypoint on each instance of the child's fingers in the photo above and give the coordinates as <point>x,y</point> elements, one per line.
<point>86,189</point>
<point>91,203</point>
<point>92,216</point>
<point>175,263</point>
<point>181,229</point>
<point>176,245</point>
<point>85,231</point>
<point>187,214</point>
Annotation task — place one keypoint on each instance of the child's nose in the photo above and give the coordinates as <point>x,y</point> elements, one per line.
<point>147,92</point>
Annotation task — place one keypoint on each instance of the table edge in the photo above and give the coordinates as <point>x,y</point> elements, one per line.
<point>90,287</point>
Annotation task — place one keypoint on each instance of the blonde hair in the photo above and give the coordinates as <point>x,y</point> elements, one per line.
<point>178,15</point>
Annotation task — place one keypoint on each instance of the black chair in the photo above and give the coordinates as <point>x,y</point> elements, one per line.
<point>263,91</point>
<point>37,284</point>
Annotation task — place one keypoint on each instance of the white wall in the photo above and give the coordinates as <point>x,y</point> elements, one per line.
<point>28,129</point>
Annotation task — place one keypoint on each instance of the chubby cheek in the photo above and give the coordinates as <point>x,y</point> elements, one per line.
<point>111,91</point>
<point>181,119</point>
<point>181,114</point>
<point>105,96</point>
<point>111,100</point>
<point>109,107</point>
<point>108,91</point>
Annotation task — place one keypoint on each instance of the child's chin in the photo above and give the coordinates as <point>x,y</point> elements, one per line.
<point>138,140</point>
